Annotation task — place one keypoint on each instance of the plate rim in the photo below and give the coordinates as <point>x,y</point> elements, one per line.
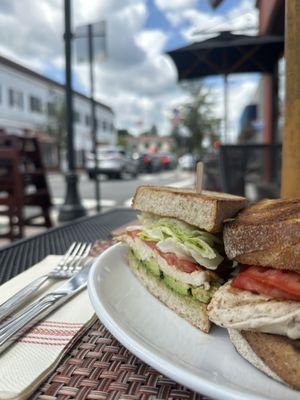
<point>163,365</point>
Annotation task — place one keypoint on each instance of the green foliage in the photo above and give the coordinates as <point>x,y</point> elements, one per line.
<point>123,135</point>
<point>151,132</point>
<point>57,124</point>
<point>198,119</point>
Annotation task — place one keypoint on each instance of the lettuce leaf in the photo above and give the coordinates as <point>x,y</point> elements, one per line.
<point>182,239</point>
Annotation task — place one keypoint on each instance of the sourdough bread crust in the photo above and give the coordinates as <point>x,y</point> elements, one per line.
<point>192,311</point>
<point>207,210</point>
<point>275,355</point>
<point>245,350</point>
<point>266,234</point>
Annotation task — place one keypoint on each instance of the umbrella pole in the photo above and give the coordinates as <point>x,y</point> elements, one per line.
<point>290,174</point>
<point>225,97</point>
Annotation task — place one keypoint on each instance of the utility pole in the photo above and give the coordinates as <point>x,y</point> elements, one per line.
<point>72,207</point>
<point>93,114</point>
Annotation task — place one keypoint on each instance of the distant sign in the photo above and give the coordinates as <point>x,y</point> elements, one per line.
<point>99,41</point>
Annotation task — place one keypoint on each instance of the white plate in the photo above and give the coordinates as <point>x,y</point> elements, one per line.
<point>205,363</point>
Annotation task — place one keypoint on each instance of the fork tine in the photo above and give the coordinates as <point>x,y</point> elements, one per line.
<point>80,254</point>
<point>72,255</point>
<point>77,264</point>
<point>87,250</point>
<point>67,254</point>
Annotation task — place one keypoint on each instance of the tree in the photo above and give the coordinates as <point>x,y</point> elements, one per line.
<point>123,136</point>
<point>151,132</point>
<point>198,118</point>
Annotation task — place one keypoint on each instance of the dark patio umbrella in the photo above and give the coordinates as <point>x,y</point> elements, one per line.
<point>225,54</point>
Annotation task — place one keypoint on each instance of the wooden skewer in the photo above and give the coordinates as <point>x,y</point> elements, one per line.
<point>199,177</point>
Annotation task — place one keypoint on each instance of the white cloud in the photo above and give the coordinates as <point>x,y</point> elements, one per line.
<point>136,79</point>
<point>192,21</point>
<point>175,4</point>
<point>152,41</point>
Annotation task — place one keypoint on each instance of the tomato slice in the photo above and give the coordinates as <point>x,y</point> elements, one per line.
<point>269,281</point>
<point>171,258</point>
<point>285,280</point>
<point>183,265</point>
<point>133,233</point>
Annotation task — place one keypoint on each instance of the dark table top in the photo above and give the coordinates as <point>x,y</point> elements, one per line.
<point>18,256</point>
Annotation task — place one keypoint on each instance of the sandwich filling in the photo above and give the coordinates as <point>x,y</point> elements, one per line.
<point>269,281</point>
<point>184,258</point>
<point>259,299</point>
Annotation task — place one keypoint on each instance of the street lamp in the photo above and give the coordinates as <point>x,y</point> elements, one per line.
<point>90,32</point>
<point>72,207</point>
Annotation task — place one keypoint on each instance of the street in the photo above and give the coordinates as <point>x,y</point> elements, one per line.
<point>116,193</point>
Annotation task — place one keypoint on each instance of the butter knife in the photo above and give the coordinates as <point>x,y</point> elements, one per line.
<point>15,327</point>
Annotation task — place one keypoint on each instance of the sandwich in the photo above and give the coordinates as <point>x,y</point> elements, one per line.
<point>260,306</point>
<point>177,252</point>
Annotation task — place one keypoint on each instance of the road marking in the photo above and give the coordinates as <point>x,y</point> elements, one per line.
<point>127,203</point>
<point>146,178</point>
<point>88,203</point>
<point>161,175</point>
<point>181,184</point>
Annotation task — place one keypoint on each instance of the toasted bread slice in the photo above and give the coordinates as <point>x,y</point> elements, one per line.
<point>191,310</point>
<point>266,233</point>
<point>275,355</point>
<point>207,210</point>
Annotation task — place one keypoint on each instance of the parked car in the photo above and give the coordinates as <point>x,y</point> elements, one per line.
<point>113,162</point>
<point>187,162</point>
<point>168,160</point>
<point>149,162</point>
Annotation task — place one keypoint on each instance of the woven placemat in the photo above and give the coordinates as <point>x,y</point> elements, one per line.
<point>100,368</point>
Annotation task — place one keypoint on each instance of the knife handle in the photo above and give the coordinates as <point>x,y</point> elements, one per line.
<point>11,330</point>
<point>23,295</point>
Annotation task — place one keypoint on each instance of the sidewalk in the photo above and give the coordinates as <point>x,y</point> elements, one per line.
<point>89,205</point>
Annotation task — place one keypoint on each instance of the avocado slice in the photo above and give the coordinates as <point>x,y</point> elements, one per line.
<point>153,267</point>
<point>179,287</point>
<point>205,295</point>
<point>184,289</point>
<point>150,265</point>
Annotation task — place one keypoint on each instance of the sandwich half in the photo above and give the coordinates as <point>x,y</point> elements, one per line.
<point>177,252</point>
<point>260,306</point>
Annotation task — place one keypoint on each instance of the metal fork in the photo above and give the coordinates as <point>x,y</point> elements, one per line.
<point>71,263</point>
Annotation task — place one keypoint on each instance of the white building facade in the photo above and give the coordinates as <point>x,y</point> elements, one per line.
<point>28,100</point>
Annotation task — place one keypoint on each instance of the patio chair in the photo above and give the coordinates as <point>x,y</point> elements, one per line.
<point>23,186</point>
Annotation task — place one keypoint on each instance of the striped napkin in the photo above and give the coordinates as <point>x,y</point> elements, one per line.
<point>25,364</point>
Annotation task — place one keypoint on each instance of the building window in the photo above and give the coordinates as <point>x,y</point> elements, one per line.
<point>36,104</point>
<point>112,127</point>
<point>104,125</point>
<point>77,117</point>
<point>88,120</point>
<point>15,99</point>
<point>51,109</point>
